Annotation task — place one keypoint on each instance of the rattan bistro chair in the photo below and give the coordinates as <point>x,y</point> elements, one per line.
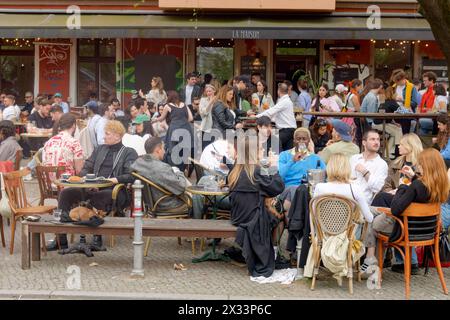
<point>420,226</point>
<point>331,215</point>
<point>151,206</point>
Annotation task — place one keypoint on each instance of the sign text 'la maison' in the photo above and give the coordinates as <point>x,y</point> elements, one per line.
<point>245,34</point>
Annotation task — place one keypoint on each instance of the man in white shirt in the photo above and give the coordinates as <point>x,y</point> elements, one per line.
<point>283,115</point>
<point>12,111</point>
<point>368,168</point>
<point>212,155</point>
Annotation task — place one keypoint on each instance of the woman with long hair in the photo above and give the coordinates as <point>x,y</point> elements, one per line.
<point>429,184</point>
<point>179,130</point>
<point>223,115</point>
<point>261,99</point>
<point>156,94</point>
<point>409,149</point>
<point>250,184</point>
<point>323,102</point>
<point>320,135</point>
<point>353,104</point>
<point>442,140</point>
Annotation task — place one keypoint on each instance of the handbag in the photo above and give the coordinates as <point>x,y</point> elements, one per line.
<point>275,207</point>
<point>444,252</point>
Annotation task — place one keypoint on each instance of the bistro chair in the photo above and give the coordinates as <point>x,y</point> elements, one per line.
<point>331,215</point>
<point>2,232</point>
<point>420,225</point>
<point>198,168</point>
<point>19,204</point>
<point>45,176</point>
<point>18,159</point>
<point>150,206</point>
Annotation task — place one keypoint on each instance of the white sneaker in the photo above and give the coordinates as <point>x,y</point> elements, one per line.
<point>368,262</point>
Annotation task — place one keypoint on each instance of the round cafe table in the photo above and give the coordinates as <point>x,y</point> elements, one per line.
<point>82,246</point>
<point>211,200</point>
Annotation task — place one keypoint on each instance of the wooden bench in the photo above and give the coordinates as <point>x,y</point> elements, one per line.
<point>188,228</point>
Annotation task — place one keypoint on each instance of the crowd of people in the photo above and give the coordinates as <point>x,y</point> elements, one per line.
<point>267,162</point>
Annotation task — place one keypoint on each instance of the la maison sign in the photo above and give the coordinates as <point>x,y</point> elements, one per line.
<point>245,34</point>
<point>284,5</point>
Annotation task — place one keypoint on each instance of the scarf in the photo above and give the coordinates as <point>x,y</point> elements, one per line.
<point>407,95</point>
<point>427,102</point>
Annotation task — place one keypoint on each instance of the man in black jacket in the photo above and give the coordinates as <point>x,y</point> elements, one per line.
<point>190,90</point>
<point>112,161</point>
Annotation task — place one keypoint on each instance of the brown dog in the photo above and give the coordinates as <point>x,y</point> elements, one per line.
<point>84,212</point>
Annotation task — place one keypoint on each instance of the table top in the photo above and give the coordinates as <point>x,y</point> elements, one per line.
<point>84,185</point>
<point>36,135</point>
<point>20,123</point>
<point>201,191</point>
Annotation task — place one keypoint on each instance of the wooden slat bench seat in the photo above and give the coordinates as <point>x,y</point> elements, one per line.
<point>122,227</point>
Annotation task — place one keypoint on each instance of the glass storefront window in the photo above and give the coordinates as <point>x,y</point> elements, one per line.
<point>391,55</point>
<point>216,61</point>
<point>96,69</point>
<point>86,48</point>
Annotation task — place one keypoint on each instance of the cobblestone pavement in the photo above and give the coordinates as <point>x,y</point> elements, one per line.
<point>207,280</point>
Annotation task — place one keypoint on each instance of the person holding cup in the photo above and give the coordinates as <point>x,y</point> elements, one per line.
<point>261,99</point>
<point>293,164</point>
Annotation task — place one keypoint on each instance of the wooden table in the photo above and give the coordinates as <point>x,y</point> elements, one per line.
<point>212,201</point>
<point>120,227</point>
<point>84,185</point>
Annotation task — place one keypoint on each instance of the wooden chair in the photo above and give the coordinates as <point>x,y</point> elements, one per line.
<point>151,206</point>
<point>18,202</point>
<point>331,215</point>
<point>420,226</point>
<point>19,155</point>
<point>2,232</point>
<point>45,176</point>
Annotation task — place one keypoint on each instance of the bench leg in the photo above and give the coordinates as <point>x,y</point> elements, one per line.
<point>179,241</point>
<point>193,246</point>
<point>147,246</point>
<point>25,248</point>
<point>35,247</point>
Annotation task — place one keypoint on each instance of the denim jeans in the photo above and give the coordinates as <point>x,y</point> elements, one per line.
<point>445,215</point>
<point>399,258</point>
<point>426,126</point>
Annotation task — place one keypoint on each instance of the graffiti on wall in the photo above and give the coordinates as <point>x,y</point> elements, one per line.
<point>344,73</point>
<point>54,68</point>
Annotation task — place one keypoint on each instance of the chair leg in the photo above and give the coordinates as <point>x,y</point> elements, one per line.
<point>380,261</point>
<point>2,232</point>
<point>111,241</point>
<point>193,246</point>
<point>202,244</point>
<point>147,246</point>
<point>437,263</point>
<point>316,266</point>
<point>407,265</point>
<point>13,232</point>
<point>179,241</point>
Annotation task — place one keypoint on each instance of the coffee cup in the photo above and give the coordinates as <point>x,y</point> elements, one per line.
<point>65,176</point>
<point>90,176</point>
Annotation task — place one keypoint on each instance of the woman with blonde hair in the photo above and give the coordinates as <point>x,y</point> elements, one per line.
<point>430,184</point>
<point>156,94</point>
<point>206,104</point>
<point>250,184</point>
<point>409,148</point>
<point>338,182</point>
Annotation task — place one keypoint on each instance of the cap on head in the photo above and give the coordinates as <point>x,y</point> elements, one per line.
<point>343,129</point>
<point>57,95</point>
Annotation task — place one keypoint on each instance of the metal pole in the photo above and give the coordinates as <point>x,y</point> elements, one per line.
<point>138,243</point>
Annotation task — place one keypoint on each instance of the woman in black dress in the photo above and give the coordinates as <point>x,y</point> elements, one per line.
<point>180,129</point>
<point>250,184</point>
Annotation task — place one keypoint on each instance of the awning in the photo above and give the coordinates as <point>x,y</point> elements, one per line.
<point>233,27</point>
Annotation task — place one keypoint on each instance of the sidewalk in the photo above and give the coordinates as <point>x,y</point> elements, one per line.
<point>110,279</point>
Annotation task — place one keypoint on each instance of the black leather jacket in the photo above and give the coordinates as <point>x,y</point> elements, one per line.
<point>122,169</point>
<point>222,117</point>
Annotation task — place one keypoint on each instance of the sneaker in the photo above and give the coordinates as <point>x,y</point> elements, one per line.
<point>400,268</point>
<point>368,262</point>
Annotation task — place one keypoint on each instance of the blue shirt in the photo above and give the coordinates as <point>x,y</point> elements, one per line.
<point>292,172</point>
<point>304,100</point>
<point>446,152</point>
<point>370,105</point>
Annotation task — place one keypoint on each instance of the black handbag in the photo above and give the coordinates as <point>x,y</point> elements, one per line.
<point>444,250</point>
